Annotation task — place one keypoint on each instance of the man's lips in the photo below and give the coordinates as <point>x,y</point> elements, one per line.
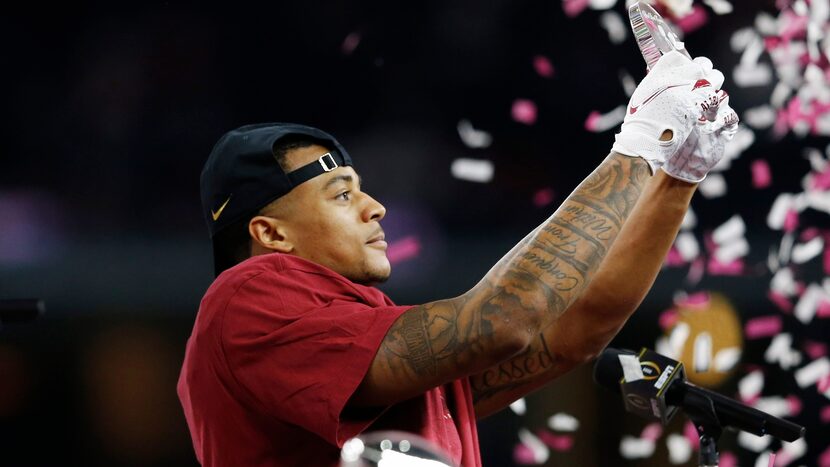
<point>378,240</point>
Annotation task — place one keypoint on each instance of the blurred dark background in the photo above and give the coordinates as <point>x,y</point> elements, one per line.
<point>111,111</point>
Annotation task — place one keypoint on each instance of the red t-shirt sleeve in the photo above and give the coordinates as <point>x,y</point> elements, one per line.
<point>301,362</point>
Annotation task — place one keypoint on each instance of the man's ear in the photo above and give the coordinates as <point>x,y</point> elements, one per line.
<point>269,233</point>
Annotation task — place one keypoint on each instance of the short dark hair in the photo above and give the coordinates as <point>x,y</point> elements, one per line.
<point>232,245</point>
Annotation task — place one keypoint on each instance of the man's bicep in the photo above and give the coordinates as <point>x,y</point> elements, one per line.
<point>429,345</point>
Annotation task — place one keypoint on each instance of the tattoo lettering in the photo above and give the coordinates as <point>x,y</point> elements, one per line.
<point>512,373</point>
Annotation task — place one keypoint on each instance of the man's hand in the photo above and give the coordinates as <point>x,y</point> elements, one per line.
<point>705,146</point>
<point>668,102</point>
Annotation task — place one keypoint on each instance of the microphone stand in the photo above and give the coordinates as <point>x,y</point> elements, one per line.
<point>701,411</point>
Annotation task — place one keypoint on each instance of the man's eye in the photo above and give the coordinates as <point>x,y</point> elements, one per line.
<point>345,196</point>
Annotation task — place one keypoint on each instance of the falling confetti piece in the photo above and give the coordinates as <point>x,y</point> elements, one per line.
<point>691,434</point>
<point>713,186</point>
<point>652,432</point>
<point>815,349</point>
<point>752,442</point>
<point>403,250</point>
<point>668,318</point>
<point>615,27</point>
<point>563,422</point>
<point>780,351</point>
<point>597,122</point>
<point>727,358</point>
<point>761,175</point>
<point>573,8</point>
<point>473,138</point>
<point>524,111</point>
<point>807,306</point>
<point>519,406</point>
<point>472,170</point>
<point>702,352</point>
<point>824,415</point>
<point>632,370</point>
<point>720,7</point>
<point>694,20</point>
<point>543,66</point>
<point>727,459</point>
<point>764,326</point>
<point>350,43</point>
<point>560,443</point>
<point>636,448</point>
<point>760,118</point>
<point>751,385</point>
<point>680,450</point>
<point>543,197</point>
<point>812,372</point>
<point>539,451</point>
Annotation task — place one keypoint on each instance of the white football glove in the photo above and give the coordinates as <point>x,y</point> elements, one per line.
<point>704,147</point>
<point>670,98</point>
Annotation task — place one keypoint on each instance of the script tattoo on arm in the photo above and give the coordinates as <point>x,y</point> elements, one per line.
<point>494,333</point>
<point>560,258</point>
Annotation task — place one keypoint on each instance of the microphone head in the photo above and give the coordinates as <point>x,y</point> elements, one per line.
<point>608,370</point>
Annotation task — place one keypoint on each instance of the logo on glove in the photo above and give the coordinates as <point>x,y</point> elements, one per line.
<point>650,98</point>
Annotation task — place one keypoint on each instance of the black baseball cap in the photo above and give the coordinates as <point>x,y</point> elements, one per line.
<point>242,174</point>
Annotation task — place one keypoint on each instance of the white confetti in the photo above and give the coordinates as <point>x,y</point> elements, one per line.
<point>563,422</point>
<point>727,358</point>
<point>519,406</point>
<point>752,442</point>
<point>787,242</point>
<point>703,352</point>
<point>632,370</point>
<point>780,351</point>
<point>741,38</point>
<point>628,83</point>
<point>804,252</point>
<point>759,117</point>
<point>677,340</point>
<point>601,4</point>
<point>775,406</point>
<point>636,448</point>
<point>778,212</point>
<point>720,7</point>
<point>537,447</point>
<point>613,24</point>
<point>731,230</point>
<point>680,449</point>
<point>732,250</point>
<point>473,138</point>
<point>751,385</point>
<point>807,305</point>
<point>687,246</point>
<point>472,170</point>
<point>818,200</point>
<point>790,452</point>
<point>753,74</point>
<point>813,372</point>
<point>783,282</point>
<point>780,94</point>
<point>766,24</point>
<point>763,459</point>
<point>689,220</point>
<point>743,139</point>
<point>713,186</point>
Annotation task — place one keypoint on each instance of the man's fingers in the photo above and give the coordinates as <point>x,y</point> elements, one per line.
<point>705,63</point>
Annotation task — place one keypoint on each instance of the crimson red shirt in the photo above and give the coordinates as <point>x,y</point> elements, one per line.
<point>278,348</point>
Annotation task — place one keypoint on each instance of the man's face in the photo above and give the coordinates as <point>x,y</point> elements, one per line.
<point>331,222</point>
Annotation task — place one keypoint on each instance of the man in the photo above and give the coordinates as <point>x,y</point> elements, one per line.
<point>293,352</point>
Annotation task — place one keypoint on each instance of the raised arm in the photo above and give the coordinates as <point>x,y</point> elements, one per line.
<point>493,331</point>
<point>501,316</point>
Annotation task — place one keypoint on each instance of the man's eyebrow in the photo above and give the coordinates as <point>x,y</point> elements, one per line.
<point>342,178</point>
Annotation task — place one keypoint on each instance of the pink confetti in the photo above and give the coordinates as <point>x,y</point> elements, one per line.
<point>652,432</point>
<point>524,111</point>
<point>824,458</point>
<point>695,300</point>
<point>696,271</point>
<point>823,310</point>
<point>674,258</point>
<point>592,122</point>
<point>761,175</point>
<point>824,415</point>
<point>826,259</point>
<point>823,384</point>
<point>771,459</point>
<point>523,455</point>
<point>795,405</point>
<point>668,319</point>
<point>694,20</point>
<point>574,7</point>
<point>809,234</point>
<point>781,301</point>
<point>561,443</point>
<point>690,432</point>
<point>543,197</point>
<point>350,43</point>
<point>733,268</point>
<point>815,349</point>
<point>791,221</point>
<point>764,326</point>
<point>403,249</point>
<point>821,181</point>
<point>727,459</point>
<point>543,66</point>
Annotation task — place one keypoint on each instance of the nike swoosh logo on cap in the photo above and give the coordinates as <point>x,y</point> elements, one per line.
<point>218,212</point>
<point>632,109</point>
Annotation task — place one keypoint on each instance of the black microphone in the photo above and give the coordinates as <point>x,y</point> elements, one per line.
<point>678,393</point>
